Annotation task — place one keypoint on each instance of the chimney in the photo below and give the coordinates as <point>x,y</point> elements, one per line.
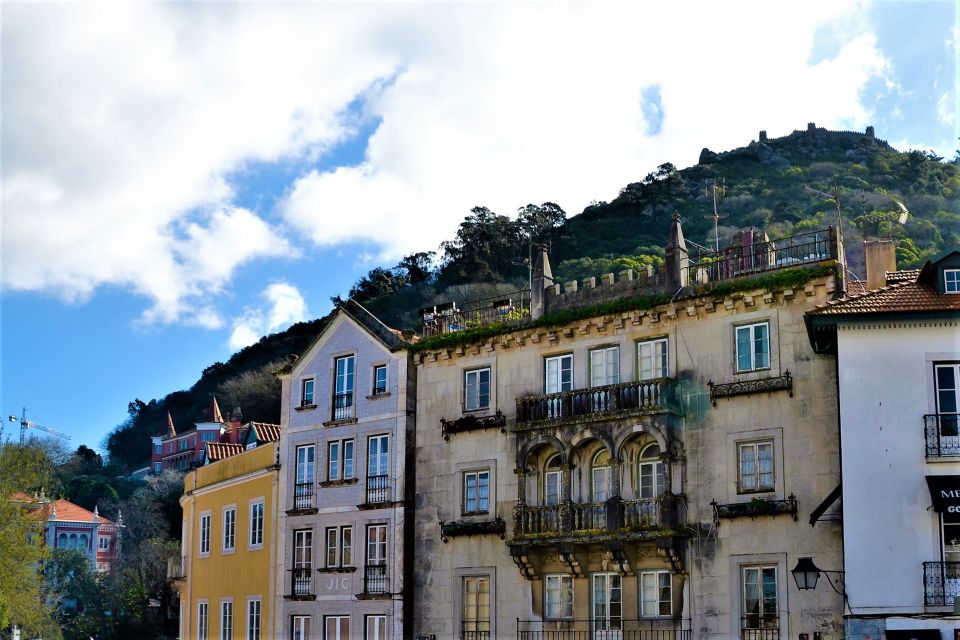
<point>677,262</point>
<point>235,424</point>
<point>541,277</point>
<point>881,257</point>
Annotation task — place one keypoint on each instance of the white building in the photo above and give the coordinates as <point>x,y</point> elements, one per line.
<point>898,358</point>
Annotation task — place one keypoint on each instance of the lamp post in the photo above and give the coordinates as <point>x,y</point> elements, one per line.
<point>806,574</point>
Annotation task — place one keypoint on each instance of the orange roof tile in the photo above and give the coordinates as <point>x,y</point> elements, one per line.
<point>221,450</point>
<point>265,432</point>
<point>902,297</point>
<point>69,512</point>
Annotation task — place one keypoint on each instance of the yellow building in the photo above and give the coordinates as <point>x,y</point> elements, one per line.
<point>226,578</point>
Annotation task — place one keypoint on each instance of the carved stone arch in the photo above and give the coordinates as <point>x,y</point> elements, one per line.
<point>626,433</point>
<point>581,437</point>
<point>523,453</point>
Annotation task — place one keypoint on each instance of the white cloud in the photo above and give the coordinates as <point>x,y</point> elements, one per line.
<point>284,307</point>
<point>124,124</point>
<point>946,109</point>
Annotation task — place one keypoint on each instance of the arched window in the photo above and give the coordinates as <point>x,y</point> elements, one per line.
<point>83,541</point>
<point>73,541</point>
<point>651,477</point>
<point>600,476</point>
<point>551,481</point>
<point>62,540</point>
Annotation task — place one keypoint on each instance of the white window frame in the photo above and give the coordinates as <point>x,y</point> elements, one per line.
<point>337,459</point>
<point>951,280</point>
<point>338,546</point>
<point>302,630</point>
<point>652,468</point>
<point>204,526</point>
<point>378,458</point>
<point>203,620</point>
<point>103,543</point>
<point>607,371</point>
<point>345,378</point>
<point>558,373</point>
<point>306,468</point>
<point>481,500</point>
<point>560,605</point>
<point>229,537</point>
<point>377,389</point>
<point>656,352</point>
<point>303,548</point>
<point>755,485</point>
<point>340,632</point>
<point>375,627</point>
<point>602,613</point>
<point>762,613</point>
<point>226,619</point>
<point>308,392</point>
<point>473,385</point>
<point>470,612</point>
<point>254,618</point>
<point>552,476</point>
<point>377,544</point>
<point>257,516</point>
<point>751,329</point>
<point>661,582</point>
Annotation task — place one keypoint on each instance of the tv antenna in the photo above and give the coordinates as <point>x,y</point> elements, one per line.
<point>30,424</point>
<point>716,216</point>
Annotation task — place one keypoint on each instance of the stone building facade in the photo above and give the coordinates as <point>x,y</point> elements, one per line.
<point>643,470</point>
<point>344,529</point>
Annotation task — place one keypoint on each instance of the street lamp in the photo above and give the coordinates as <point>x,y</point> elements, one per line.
<point>806,574</point>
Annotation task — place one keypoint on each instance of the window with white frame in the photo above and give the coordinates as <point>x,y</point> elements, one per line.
<point>306,393</point>
<point>758,588</point>
<point>651,476</point>
<point>204,534</point>
<point>475,616</point>
<point>379,379</point>
<point>600,477</point>
<point>607,603</point>
<point>253,619</point>
<point>753,346</point>
<point>157,468</point>
<point>336,628</point>
<point>303,486</point>
<point>256,524</point>
<point>604,366</point>
<point>476,491</point>
<point>203,620</point>
<point>951,280</point>
<point>558,377</point>
<point>947,382</point>
<point>476,389</point>
<point>158,449</point>
<point>652,359</point>
<point>104,543</point>
<point>343,391</point>
<point>300,628</point>
<point>340,459</point>
<point>229,529</point>
<point>339,546</point>
<point>376,544</point>
<point>552,476</point>
<point>558,596</point>
<point>226,620</point>
<point>378,455</point>
<point>656,597</point>
<point>755,466</point>
<point>302,562</point>
<point>376,628</point>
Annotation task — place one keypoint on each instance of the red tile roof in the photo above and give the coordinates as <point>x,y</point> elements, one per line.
<point>221,450</point>
<point>265,432</point>
<point>69,512</point>
<point>902,297</point>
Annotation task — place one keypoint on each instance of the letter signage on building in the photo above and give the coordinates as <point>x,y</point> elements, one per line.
<point>945,493</point>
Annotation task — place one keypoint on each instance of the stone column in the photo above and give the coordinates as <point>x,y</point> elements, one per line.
<point>521,506</point>
<point>615,503</point>
<point>565,509</point>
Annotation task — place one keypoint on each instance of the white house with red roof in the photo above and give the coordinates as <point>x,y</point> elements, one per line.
<point>70,526</point>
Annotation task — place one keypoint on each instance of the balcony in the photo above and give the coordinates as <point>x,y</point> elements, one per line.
<point>604,629</point>
<point>375,580</point>
<point>301,584</point>
<point>378,491</point>
<point>446,318</point>
<point>302,498</point>
<point>614,518</point>
<point>176,568</point>
<point>594,403</point>
<point>941,583</point>
<point>760,627</point>
<point>942,432</point>
<point>342,406</point>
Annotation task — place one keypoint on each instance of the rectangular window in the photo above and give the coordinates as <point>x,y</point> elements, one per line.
<point>306,393</point>
<point>559,596</point>
<point>336,628</point>
<point>476,607</point>
<point>476,389</point>
<point>558,377</point>
<point>379,379</point>
<point>947,381</point>
<point>157,468</point>
<point>655,594</point>
<point>302,574</point>
<point>376,628</point>
<point>759,591</point>
<point>204,534</point>
<point>652,478</point>
<point>104,544</point>
<point>226,620</point>
<point>340,460</point>
<point>652,359</point>
<point>158,449</point>
<point>229,528</point>
<point>377,544</point>
<point>378,456</point>
<point>339,546</point>
<point>951,280</point>
<point>476,492</point>
<point>253,619</point>
<point>343,392</point>
<point>755,466</point>
<point>604,366</point>
<point>203,620</point>
<point>305,462</point>
<point>256,524</point>
<point>753,346</point>
<point>607,602</point>
<point>300,628</point>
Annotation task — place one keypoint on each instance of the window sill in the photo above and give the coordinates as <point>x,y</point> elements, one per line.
<point>477,410</point>
<point>305,407</point>
<point>256,547</point>
<point>754,492</point>
<point>302,512</point>
<point>228,552</point>
<point>340,422</point>
<point>339,483</point>
<point>379,396</point>
<point>336,570</point>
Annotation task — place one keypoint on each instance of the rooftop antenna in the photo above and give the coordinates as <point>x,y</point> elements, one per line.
<point>30,424</point>
<point>716,216</point>
<point>841,255</point>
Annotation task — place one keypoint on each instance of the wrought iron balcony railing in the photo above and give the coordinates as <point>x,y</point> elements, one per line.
<point>644,396</point>
<point>760,627</point>
<point>571,517</point>
<point>942,431</point>
<point>375,579</point>
<point>941,583</point>
<point>378,489</point>
<point>446,318</point>
<point>604,629</point>
<point>301,581</point>
<point>303,495</point>
<point>473,634</point>
<point>343,406</point>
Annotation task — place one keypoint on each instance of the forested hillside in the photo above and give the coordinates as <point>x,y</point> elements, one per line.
<point>782,186</point>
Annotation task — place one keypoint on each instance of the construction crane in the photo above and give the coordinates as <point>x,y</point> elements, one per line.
<point>30,424</point>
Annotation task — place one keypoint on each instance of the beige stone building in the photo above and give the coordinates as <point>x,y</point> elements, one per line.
<point>639,458</point>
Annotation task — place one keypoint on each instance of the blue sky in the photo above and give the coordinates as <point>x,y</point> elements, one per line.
<point>180,179</point>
